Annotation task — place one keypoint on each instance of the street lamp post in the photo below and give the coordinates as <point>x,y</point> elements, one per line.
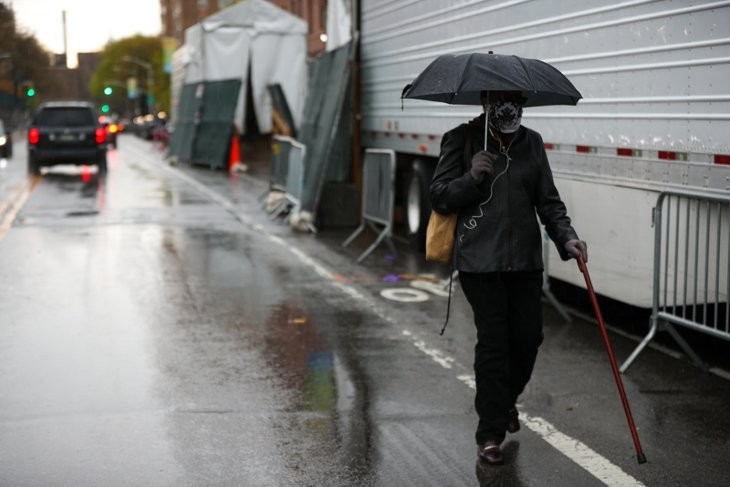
<point>148,67</point>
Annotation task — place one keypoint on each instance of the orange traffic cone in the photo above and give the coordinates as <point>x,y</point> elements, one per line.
<point>234,155</point>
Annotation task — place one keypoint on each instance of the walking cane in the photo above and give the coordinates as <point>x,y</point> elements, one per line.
<point>619,383</point>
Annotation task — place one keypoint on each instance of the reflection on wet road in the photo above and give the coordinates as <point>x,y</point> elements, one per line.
<point>141,323</point>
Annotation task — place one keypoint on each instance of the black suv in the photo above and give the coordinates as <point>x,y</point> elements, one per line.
<point>66,132</point>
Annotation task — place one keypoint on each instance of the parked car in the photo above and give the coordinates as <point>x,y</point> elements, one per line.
<point>6,142</point>
<point>66,132</point>
<point>112,128</point>
<point>146,125</point>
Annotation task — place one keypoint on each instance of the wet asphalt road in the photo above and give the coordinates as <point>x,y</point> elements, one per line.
<point>157,329</point>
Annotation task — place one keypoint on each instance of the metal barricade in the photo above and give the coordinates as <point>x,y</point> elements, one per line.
<point>295,172</point>
<point>378,198</point>
<point>691,268</point>
<point>280,150</point>
<point>292,155</point>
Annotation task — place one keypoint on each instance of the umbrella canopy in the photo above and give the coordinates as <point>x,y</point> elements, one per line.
<point>460,79</point>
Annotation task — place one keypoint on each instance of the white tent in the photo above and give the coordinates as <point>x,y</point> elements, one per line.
<point>252,33</point>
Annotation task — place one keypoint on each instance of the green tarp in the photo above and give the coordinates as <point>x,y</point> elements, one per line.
<point>213,137</point>
<point>181,142</point>
<point>204,125</point>
<point>326,124</point>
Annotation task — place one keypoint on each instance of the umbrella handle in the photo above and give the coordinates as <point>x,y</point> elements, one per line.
<point>641,458</point>
<point>486,122</point>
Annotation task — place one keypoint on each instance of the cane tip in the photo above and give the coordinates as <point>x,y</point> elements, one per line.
<point>641,458</point>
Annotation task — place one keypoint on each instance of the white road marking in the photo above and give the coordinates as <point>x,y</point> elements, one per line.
<point>436,288</point>
<point>580,453</point>
<point>404,295</point>
<point>595,464</point>
<point>14,203</point>
<point>577,451</point>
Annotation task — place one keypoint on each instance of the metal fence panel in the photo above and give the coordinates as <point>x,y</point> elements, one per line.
<point>378,197</point>
<point>279,162</point>
<point>212,139</point>
<point>295,172</point>
<point>287,174</point>
<point>378,186</point>
<point>691,267</point>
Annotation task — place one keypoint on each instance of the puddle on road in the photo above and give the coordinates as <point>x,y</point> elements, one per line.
<point>301,357</point>
<point>327,412</point>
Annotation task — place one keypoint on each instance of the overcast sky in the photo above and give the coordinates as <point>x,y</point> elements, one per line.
<point>89,23</point>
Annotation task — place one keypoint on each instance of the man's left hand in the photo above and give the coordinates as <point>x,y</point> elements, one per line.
<point>577,247</point>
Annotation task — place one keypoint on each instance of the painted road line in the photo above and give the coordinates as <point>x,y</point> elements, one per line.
<point>5,204</point>
<point>578,452</point>
<point>12,205</point>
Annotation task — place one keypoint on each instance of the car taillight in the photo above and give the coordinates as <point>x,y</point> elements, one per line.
<point>100,135</point>
<point>34,136</point>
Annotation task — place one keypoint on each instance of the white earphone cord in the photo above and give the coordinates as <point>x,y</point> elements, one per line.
<point>472,223</point>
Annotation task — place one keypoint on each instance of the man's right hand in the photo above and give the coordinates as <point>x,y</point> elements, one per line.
<point>482,164</point>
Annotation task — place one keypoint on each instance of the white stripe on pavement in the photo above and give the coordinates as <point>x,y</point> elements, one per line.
<point>580,453</point>
<point>595,464</point>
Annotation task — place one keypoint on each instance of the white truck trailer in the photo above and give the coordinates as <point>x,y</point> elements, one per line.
<point>655,77</point>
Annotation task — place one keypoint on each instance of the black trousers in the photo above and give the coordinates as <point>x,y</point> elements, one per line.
<point>508,317</point>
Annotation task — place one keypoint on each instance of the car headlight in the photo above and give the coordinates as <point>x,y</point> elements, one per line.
<point>3,139</point>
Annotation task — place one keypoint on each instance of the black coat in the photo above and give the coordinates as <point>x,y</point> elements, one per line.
<point>507,236</point>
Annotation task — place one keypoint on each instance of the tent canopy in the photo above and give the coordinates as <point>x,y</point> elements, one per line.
<point>254,42</point>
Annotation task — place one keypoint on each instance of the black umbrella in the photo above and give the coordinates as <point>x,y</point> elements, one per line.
<point>460,79</point>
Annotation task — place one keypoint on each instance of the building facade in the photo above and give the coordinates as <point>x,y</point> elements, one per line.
<point>178,15</point>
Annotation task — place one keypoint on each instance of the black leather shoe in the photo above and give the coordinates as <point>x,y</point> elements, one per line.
<point>513,425</point>
<point>491,453</point>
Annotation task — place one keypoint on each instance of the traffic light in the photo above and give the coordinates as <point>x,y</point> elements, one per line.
<point>108,90</point>
<point>30,92</point>
<point>105,108</point>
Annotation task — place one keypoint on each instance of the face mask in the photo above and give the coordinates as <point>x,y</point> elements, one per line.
<point>505,116</point>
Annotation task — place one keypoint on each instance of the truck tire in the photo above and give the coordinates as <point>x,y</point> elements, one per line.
<point>418,205</point>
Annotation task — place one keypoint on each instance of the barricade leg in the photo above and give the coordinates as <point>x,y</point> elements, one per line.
<point>685,346</point>
<point>385,233</point>
<point>659,325</point>
<point>649,337</point>
<point>354,234</point>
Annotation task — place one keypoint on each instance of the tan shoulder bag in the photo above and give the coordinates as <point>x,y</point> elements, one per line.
<point>441,229</point>
<point>440,235</point>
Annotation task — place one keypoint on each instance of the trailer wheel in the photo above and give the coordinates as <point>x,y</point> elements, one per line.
<point>418,206</point>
